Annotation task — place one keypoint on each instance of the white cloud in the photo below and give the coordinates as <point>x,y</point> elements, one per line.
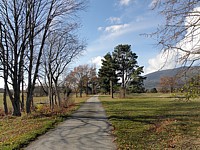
<point>125,2</point>
<point>116,31</point>
<point>97,61</point>
<point>164,60</point>
<point>116,28</point>
<point>114,20</point>
<point>117,34</point>
<point>100,28</point>
<point>191,42</point>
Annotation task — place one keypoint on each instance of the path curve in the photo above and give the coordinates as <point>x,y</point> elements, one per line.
<point>86,129</point>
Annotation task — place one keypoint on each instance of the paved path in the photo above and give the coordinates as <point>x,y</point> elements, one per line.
<point>86,129</point>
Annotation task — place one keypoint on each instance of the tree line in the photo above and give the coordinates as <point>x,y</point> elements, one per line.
<point>188,85</point>
<point>37,42</point>
<point>119,72</point>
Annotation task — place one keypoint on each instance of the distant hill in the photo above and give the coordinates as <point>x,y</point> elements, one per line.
<point>153,79</point>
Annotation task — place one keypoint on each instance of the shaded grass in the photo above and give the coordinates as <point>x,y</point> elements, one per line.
<point>143,122</point>
<point>17,132</point>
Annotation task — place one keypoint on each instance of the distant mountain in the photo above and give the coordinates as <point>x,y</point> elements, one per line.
<point>153,79</point>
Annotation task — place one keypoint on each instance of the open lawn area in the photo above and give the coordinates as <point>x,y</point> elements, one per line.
<point>16,132</point>
<point>154,122</point>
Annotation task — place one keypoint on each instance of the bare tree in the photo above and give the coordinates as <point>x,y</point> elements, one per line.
<point>24,26</point>
<point>81,72</point>
<point>168,84</point>
<point>61,48</point>
<point>14,33</point>
<point>72,81</point>
<point>80,77</point>
<point>180,33</point>
<point>4,62</point>
<point>93,79</point>
<point>53,14</point>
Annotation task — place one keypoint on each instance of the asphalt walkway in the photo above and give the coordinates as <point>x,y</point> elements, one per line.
<point>86,129</point>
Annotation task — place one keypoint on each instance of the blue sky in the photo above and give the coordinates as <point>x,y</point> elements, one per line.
<point>107,23</point>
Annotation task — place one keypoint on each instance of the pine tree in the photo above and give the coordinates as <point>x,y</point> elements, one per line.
<point>136,84</point>
<point>107,74</point>
<point>126,65</point>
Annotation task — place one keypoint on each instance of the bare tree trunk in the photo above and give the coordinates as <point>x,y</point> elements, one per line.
<point>16,99</point>
<point>123,88</point>
<point>28,101</point>
<point>5,101</point>
<point>50,91</point>
<point>16,102</point>
<point>31,83</point>
<point>52,102</point>
<point>124,92</point>
<point>22,91</point>
<point>81,88</point>
<point>50,97</point>
<point>55,99</point>
<point>93,88</point>
<point>81,92</point>
<point>86,91</point>
<point>111,88</point>
<point>57,92</point>
<point>58,95</point>
<point>5,73</point>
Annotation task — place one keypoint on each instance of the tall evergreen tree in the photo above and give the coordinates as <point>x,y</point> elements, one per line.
<point>136,84</point>
<point>107,74</point>
<point>126,64</point>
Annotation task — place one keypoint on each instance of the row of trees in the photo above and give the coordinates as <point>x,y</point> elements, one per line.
<point>82,78</point>
<point>186,84</point>
<point>60,49</point>
<point>119,72</point>
<point>190,86</point>
<point>121,69</point>
<point>33,32</point>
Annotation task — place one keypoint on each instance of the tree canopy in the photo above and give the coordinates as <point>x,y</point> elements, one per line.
<point>126,62</point>
<point>121,68</point>
<point>107,74</point>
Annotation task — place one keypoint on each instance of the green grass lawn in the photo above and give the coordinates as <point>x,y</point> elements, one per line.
<point>154,122</point>
<point>16,132</point>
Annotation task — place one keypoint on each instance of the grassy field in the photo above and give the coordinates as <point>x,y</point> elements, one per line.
<point>16,132</point>
<point>36,100</point>
<point>154,122</point>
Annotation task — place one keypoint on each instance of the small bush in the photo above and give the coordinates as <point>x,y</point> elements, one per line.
<point>153,90</point>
